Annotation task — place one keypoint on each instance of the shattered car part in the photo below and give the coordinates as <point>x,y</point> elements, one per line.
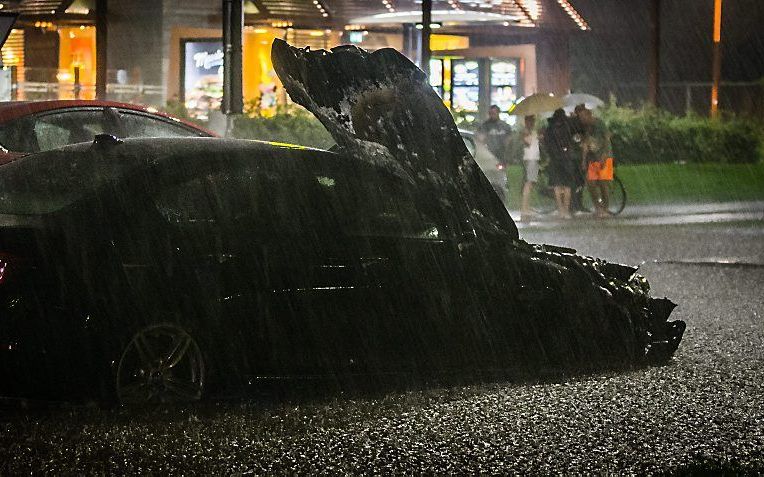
<point>380,108</point>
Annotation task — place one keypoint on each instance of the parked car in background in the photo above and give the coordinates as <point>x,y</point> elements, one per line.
<point>158,269</point>
<point>494,170</point>
<point>33,126</point>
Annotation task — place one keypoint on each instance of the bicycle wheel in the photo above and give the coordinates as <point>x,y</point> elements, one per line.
<point>616,197</point>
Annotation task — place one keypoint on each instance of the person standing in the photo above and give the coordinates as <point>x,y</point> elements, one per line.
<point>579,134</point>
<point>597,161</point>
<point>495,134</point>
<point>558,142</point>
<point>531,157</point>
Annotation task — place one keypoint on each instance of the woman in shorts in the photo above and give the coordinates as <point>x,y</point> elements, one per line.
<point>531,158</point>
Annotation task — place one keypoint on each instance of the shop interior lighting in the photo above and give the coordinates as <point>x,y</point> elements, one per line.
<point>389,5</point>
<point>438,16</point>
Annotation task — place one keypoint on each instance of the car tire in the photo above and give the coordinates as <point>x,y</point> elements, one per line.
<point>162,363</point>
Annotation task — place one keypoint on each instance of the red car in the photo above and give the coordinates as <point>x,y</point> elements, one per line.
<point>33,126</point>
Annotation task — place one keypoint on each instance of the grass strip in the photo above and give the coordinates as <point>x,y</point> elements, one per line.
<point>676,183</point>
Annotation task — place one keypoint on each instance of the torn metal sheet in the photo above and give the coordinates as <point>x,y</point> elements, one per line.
<point>379,108</point>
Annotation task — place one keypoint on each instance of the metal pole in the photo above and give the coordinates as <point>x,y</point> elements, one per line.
<point>717,64</point>
<point>653,90</point>
<point>426,30</point>
<point>233,27</point>
<point>101,45</point>
<point>77,85</point>
<point>14,83</point>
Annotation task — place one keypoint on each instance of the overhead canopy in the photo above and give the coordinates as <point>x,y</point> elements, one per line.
<point>440,16</point>
<point>554,14</point>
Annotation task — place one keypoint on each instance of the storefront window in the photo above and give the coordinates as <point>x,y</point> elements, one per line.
<point>465,86</point>
<point>436,76</point>
<point>504,85</point>
<point>77,50</point>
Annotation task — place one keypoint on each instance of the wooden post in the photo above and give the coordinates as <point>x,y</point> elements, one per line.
<point>717,64</point>
<point>653,90</point>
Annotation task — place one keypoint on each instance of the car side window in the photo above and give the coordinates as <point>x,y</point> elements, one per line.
<point>187,203</point>
<point>375,203</point>
<point>245,196</point>
<point>143,125</point>
<point>60,129</point>
<point>15,137</point>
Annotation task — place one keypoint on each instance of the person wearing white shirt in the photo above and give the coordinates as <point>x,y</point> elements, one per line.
<point>531,158</point>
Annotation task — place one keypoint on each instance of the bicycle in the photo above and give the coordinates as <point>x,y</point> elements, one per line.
<point>543,202</point>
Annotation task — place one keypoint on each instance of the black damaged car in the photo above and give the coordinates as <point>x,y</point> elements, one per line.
<point>156,270</point>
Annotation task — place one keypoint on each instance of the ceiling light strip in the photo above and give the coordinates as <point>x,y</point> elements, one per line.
<point>321,8</point>
<point>573,14</point>
<point>389,5</point>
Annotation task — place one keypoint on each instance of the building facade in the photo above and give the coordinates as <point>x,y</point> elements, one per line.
<point>157,51</point>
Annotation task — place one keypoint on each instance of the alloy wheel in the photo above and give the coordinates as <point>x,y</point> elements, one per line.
<point>162,363</point>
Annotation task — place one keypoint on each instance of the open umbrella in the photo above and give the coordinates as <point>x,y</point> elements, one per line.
<point>574,99</point>
<point>536,104</point>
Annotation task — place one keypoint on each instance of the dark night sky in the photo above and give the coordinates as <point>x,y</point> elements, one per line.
<point>615,52</point>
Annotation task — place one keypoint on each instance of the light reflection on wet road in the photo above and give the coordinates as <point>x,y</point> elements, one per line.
<point>656,215</point>
<point>702,412</point>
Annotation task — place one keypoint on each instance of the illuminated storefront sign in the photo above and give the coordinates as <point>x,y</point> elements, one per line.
<point>465,85</point>
<point>504,85</point>
<point>202,83</point>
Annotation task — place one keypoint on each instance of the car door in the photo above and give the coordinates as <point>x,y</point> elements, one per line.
<point>167,238</point>
<point>409,253</point>
<point>291,283</point>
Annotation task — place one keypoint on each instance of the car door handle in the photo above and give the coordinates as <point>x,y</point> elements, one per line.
<point>367,262</point>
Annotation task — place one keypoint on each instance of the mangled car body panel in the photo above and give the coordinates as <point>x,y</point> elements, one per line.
<point>239,260</point>
<point>379,107</point>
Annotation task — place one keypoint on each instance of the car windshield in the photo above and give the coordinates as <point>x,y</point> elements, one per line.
<point>47,183</point>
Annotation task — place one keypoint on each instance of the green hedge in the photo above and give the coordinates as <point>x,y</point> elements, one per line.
<point>640,136</point>
<point>290,125</point>
<point>651,136</point>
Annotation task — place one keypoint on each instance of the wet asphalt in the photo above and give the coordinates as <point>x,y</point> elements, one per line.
<point>704,412</point>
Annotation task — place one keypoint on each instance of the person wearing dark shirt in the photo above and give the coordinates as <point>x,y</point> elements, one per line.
<point>562,169</point>
<point>579,133</point>
<point>495,134</point>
